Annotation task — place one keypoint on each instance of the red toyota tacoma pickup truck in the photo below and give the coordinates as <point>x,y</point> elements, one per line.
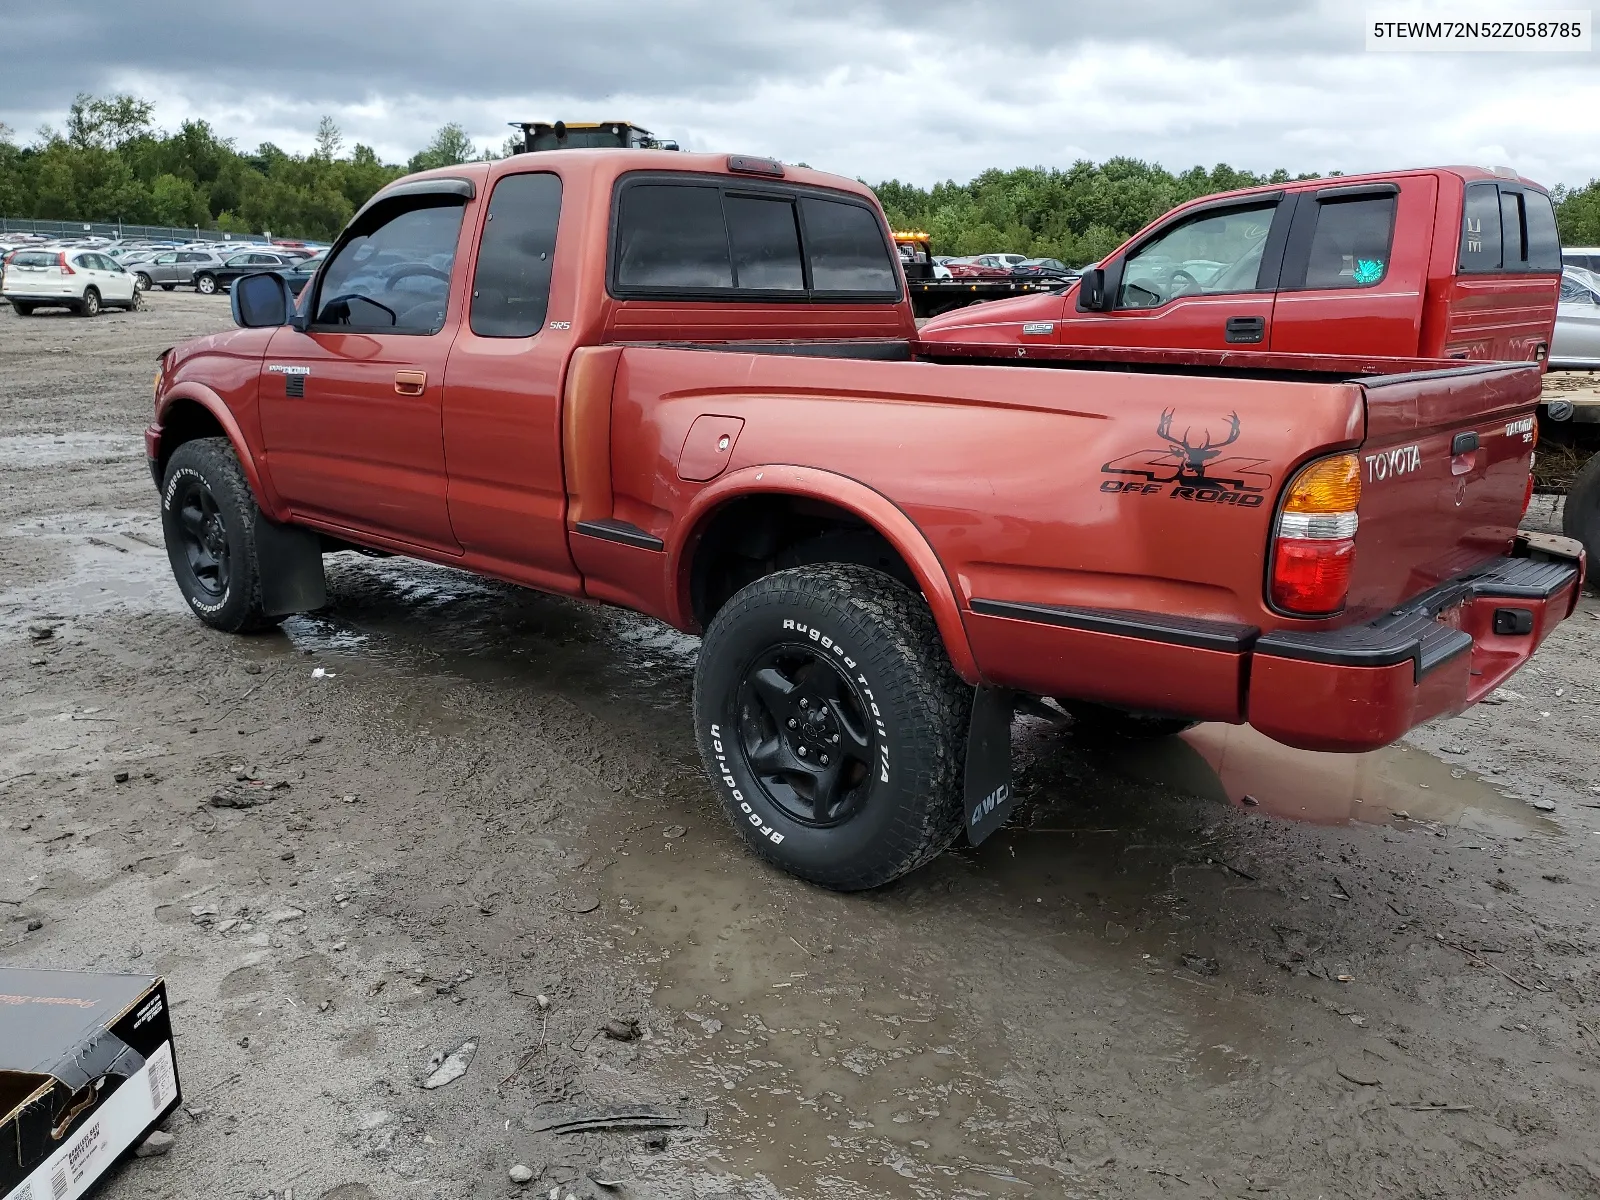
<point>689,384</point>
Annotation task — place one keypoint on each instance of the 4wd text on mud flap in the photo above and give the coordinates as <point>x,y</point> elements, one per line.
<point>989,803</point>
<point>1197,472</point>
<point>1402,460</point>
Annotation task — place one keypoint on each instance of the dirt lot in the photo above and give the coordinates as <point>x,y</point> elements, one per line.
<point>462,797</point>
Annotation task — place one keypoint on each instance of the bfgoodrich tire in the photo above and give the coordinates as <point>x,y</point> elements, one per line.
<point>832,725</point>
<point>208,518</point>
<point>1580,516</point>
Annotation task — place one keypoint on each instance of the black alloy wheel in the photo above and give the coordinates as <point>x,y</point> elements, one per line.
<point>806,735</point>
<point>203,537</point>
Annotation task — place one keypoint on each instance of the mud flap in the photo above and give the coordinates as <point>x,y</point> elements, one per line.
<point>988,779</point>
<point>291,568</point>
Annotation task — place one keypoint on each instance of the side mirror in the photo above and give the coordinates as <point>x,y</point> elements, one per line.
<point>1092,290</point>
<point>261,301</point>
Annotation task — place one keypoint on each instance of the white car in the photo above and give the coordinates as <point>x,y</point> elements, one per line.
<point>1577,338</point>
<point>85,281</point>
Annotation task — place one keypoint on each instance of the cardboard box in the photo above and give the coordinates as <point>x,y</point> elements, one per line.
<point>86,1071</point>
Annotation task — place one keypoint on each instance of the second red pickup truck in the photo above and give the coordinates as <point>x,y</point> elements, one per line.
<point>689,384</point>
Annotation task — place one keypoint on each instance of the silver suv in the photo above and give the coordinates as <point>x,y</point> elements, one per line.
<point>172,267</point>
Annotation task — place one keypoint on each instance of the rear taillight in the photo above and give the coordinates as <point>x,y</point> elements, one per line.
<point>1314,542</point>
<point>61,261</point>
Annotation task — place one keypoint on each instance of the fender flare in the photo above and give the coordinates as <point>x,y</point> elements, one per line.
<point>196,393</point>
<point>876,509</point>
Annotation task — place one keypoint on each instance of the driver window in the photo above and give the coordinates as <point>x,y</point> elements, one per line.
<point>1211,254</point>
<point>394,276</point>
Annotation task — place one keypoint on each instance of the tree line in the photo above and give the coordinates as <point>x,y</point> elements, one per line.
<point>110,163</point>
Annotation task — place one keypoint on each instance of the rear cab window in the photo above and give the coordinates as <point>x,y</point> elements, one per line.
<point>1342,237</point>
<point>1508,228</point>
<point>718,238</point>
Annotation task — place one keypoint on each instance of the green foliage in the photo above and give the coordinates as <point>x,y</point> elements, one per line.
<point>1077,215</point>
<point>111,164</point>
<point>1578,214</point>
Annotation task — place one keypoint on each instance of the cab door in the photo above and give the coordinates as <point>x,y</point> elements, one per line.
<point>502,395</point>
<point>1203,281</point>
<point>352,393</point>
<point>1355,269</point>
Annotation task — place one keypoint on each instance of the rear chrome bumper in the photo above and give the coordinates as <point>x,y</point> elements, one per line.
<point>1350,689</point>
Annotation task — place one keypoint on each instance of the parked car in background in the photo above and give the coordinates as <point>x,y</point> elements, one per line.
<point>300,274</point>
<point>220,277</point>
<point>980,266</point>
<point>1044,268</point>
<point>85,281</point>
<point>171,268</point>
<point>1587,257</point>
<point>1577,338</point>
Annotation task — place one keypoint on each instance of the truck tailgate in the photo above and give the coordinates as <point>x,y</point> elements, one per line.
<point>1445,466</point>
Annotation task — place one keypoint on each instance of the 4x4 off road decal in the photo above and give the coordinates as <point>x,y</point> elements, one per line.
<point>1189,471</point>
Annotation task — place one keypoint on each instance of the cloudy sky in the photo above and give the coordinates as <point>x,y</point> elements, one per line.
<point>920,90</point>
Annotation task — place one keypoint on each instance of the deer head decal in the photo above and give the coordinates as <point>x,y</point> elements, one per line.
<point>1192,459</point>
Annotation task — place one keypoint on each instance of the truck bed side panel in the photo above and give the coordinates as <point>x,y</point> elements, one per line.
<point>1114,491</point>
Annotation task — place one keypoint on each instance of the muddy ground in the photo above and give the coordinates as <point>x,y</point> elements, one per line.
<point>1204,967</point>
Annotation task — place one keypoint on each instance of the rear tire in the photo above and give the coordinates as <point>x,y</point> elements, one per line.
<point>23,309</point>
<point>208,517</point>
<point>206,285</point>
<point>141,281</point>
<point>89,306</point>
<point>832,725</point>
<point>1580,516</point>
<point>1103,720</point>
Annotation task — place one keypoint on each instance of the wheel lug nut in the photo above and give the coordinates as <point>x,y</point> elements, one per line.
<point>793,723</point>
<point>836,739</point>
<point>805,703</point>
<point>802,751</point>
<point>824,760</point>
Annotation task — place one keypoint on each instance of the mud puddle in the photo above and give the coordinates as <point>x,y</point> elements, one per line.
<point>1236,764</point>
<point>108,560</point>
<point>23,450</point>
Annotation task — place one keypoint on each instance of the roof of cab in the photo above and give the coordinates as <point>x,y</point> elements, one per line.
<point>607,163</point>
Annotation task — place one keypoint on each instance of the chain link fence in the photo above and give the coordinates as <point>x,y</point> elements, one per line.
<point>116,229</point>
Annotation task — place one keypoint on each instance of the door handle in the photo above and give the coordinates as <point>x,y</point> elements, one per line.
<point>410,383</point>
<point>1245,330</point>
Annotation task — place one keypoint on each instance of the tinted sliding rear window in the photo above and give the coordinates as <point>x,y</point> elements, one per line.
<point>1480,228</point>
<point>716,239</point>
<point>672,235</point>
<point>1544,243</point>
<point>1508,227</point>
<point>846,248</point>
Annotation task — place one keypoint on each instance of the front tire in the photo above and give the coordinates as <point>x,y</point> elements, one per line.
<point>206,285</point>
<point>1580,516</point>
<point>208,517</point>
<point>89,306</point>
<point>832,725</point>
<point>23,309</point>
